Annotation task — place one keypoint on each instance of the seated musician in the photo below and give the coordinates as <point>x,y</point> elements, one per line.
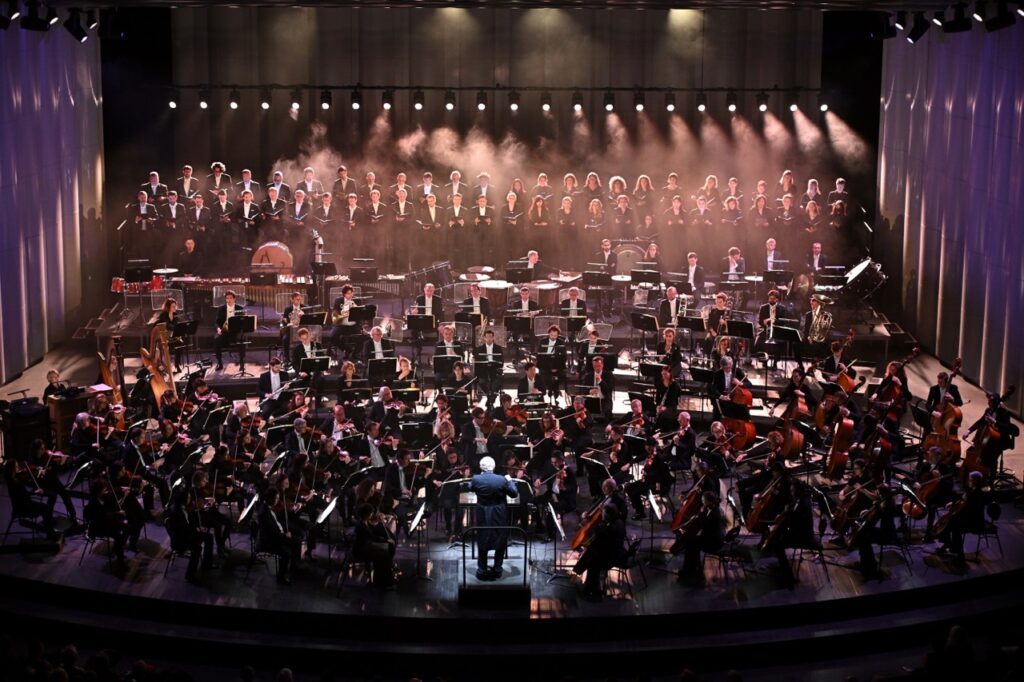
<point>792,526</point>
<point>657,479</point>
<point>967,515</point>
<point>666,395</point>
<point>399,491</point>
<point>668,351</point>
<point>573,306</point>
<point>291,317</point>
<point>895,376</point>
<point>502,411</point>
<point>606,549</point>
<point>304,348</point>
<point>274,538</point>
<point>223,337</point>
<point>429,303</point>
<point>337,426</point>
<point>538,269</point>
<point>523,305</point>
<point>733,265</point>
<point>385,410</point>
<point>377,347</point>
<point>138,457</point>
<point>816,260</point>
<point>270,386</point>
<point>459,381</point>
<point>345,329</point>
<point>374,542</point>
<point>474,308</point>
<point>773,257</point>
<point>716,323</point>
<point>373,451</point>
<point>104,516</point>
<point>187,533</point>
<point>670,308</point>
<point>473,438</point>
<point>837,362</point>
<point>54,386</point>
<point>532,385</point>
<point>489,376</point>
<point>553,348</point>
<point>405,376</point>
<point>633,423</point>
<point>694,276</point>
<point>545,470</point>
<point>706,536</point>
<point>755,483</point>
<point>798,388</point>
<point>603,384</point>
<point>576,423</point>
<point>448,345</point>
<point>190,259</point>
<point>348,380</point>
<point>681,447</point>
<point>724,380</point>
<point>942,391</point>
<point>998,417</point>
<point>589,348</point>
<point>20,488</point>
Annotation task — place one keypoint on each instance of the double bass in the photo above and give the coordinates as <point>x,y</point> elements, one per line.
<point>985,447</point>
<point>946,424</point>
<point>743,431</point>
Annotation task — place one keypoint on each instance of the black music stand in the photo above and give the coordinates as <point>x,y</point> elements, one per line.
<point>381,370</point>
<point>313,319</point>
<point>186,329</point>
<point>519,327</point>
<point>321,271</point>
<point>652,277</point>
<point>406,395</point>
<point>354,394</point>
<point>420,325</point>
<point>313,367</point>
<point>362,313</point>
<point>262,277</point>
<point>788,336</point>
<point>741,329</point>
<point>552,366</point>
<point>690,324</point>
<point>644,323</point>
<point>518,272</point>
<point>442,365</point>
<point>703,377</point>
<point>238,325</point>
<point>416,433</point>
<point>363,272</point>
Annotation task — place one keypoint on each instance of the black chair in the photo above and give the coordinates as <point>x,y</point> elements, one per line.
<point>728,553</point>
<point>349,564</point>
<point>91,537</point>
<point>27,517</point>
<point>256,552</point>
<point>990,530</point>
<point>628,563</point>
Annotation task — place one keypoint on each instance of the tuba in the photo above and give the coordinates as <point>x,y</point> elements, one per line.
<point>820,328</point>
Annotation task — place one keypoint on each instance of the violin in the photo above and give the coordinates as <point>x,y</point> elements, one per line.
<point>518,413</point>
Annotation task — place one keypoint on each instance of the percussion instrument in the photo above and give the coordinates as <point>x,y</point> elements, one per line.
<point>165,271</point>
<point>481,270</point>
<point>157,283</point>
<point>273,257</point>
<point>545,292</point>
<point>118,285</point>
<point>622,281</point>
<point>864,279</point>
<point>474,277</point>
<point>565,278</point>
<point>497,292</point>
<point>628,256</point>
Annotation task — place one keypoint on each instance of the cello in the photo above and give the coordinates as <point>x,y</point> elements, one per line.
<point>690,506</point>
<point>585,533</point>
<point>743,430</point>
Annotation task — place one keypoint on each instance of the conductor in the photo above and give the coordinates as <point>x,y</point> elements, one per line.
<point>491,490</point>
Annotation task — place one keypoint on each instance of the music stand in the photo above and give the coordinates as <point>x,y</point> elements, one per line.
<point>381,370</point>
<point>597,278</point>
<point>313,367</point>
<point>691,324</point>
<point>420,325</point>
<point>184,329</point>
<point>788,336</point>
<point>313,319</point>
<point>363,274</point>
<point>354,394</point>
<point>416,433</point>
<point>418,525</point>
<point>262,277</point>
<point>321,271</point>
<point>406,395</point>
<point>644,322</point>
<point>362,313</point>
<point>518,272</point>
<point>442,365</point>
<point>702,377</point>
<point>652,277</point>
<point>238,325</point>
<point>646,400</point>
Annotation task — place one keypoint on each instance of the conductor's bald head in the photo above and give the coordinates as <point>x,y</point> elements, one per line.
<point>486,464</point>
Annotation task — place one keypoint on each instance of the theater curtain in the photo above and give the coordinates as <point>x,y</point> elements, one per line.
<point>51,169</point>
<point>950,171</point>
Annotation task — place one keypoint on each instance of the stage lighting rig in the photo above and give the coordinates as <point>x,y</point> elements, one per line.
<point>702,102</point>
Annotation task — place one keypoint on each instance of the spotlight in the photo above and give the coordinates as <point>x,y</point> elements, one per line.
<point>959,23</point>
<point>265,99</point>
<point>1020,10</point>
<point>14,10</point>
<point>670,101</point>
<point>793,99</point>
<point>702,102</point>
<point>979,12</point>
<point>449,100</point>
<point>417,100</point>
<point>1003,19</point>
<point>545,101</point>
<point>233,99</point>
<point>481,100</point>
<point>939,17</point>
<point>325,99</point>
<point>919,28</point>
<point>822,104</point>
<point>513,100</point>
<point>577,101</point>
<point>638,100</point>
<point>762,102</point>
<point>357,99</point>
<point>172,101</point>
<point>296,100</point>
<point>73,24</point>
<point>901,21</point>
<point>609,101</point>
<point>92,19</point>
<point>51,16</point>
<point>730,102</point>
<point>204,99</point>
<point>31,20</point>
<point>387,100</point>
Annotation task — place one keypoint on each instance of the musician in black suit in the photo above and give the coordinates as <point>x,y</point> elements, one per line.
<point>814,316</point>
<point>489,377</point>
<point>155,190</point>
<point>298,211</point>
<point>377,347</point>
<point>429,303</point>
<point>603,382</point>
<point>607,257</point>
<point>369,184</point>
<point>222,213</point>
<point>273,538</point>
<point>344,185</point>
<point>481,219</point>
<point>816,260</point>
<point>248,219</point>
<point>217,180</point>
<point>431,222</point>
<point>222,337</point>
<point>485,189</point>
<point>273,209</point>
<point>670,308</point>
<point>734,263</point>
<point>724,379</point>
<point>554,347</point>
<point>269,385</point>
<point>187,186</point>
<point>475,304</point>
<point>523,305</point>
<point>457,218</point>
<point>838,360</point>
<point>425,189</point>
<point>941,391</point>
<point>772,256</point>
<point>304,348</point>
<point>539,269</point>
<point>447,344</point>
<point>532,382</point>
<point>573,305</point>
<point>247,183</point>
<point>345,329</point>
<point>189,260</point>
<point>771,311</point>
<point>310,185</point>
<point>284,190</point>
<point>174,219</point>
<point>694,276</point>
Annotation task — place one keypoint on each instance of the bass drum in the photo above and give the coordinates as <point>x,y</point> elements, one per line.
<point>273,257</point>
<point>496,291</point>
<point>628,256</point>
<point>864,279</point>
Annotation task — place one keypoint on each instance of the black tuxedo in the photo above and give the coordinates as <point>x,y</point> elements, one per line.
<point>313,189</point>
<point>264,381</point>
<point>222,314</point>
<point>449,192</point>
<point>932,403</point>
<point>697,285</point>
<point>252,219</point>
<point>194,187</point>
<point>516,306</point>
<point>467,307</point>
<point>299,354</point>
<point>386,346</point>
<point>456,351</point>
<point>741,265</point>
<point>154,195</point>
<point>254,187</point>
<point>178,220</point>
<point>420,194</point>
<point>436,306</point>
<point>434,223</point>
<point>211,189</point>
<point>491,193</point>
<point>297,219</point>
<point>665,316</point>
<point>764,313</point>
<point>538,383</point>
<point>189,263</point>
<point>364,193</point>
<point>150,215</point>
<point>342,188</point>
<point>611,263</point>
<point>776,257</point>
<point>581,308</point>
<point>284,192</point>
<point>222,215</point>
<point>351,219</point>
<point>481,221</point>
<point>204,218</point>
<point>375,215</point>
<point>405,213</point>
<point>274,213</point>
<point>718,383</point>
<point>606,387</point>
<point>457,222</point>
<point>822,262</point>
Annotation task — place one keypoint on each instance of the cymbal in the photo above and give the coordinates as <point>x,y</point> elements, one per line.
<point>165,271</point>
<point>822,299</point>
